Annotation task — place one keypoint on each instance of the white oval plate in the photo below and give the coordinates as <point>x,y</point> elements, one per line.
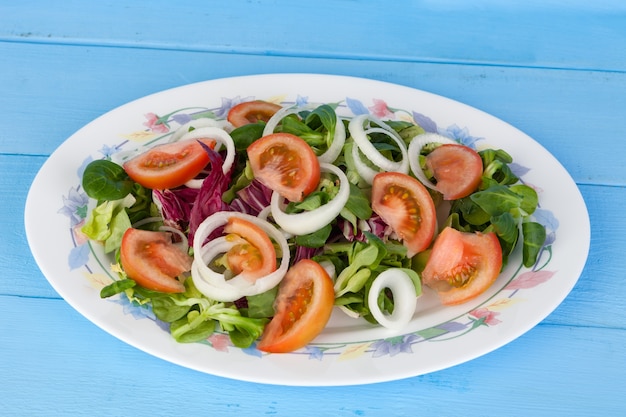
<point>349,351</point>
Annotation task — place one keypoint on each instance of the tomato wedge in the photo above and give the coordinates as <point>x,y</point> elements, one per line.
<point>457,168</point>
<point>251,112</point>
<point>152,261</point>
<point>405,205</point>
<point>255,256</point>
<point>169,165</point>
<point>462,265</point>
<point>302,308</point>
<point>286,164</point>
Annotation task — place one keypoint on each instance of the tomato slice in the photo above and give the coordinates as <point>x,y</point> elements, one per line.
<point>286,164</point>
<point>169,165</point>
<point>462,265</point>
<point>153,261</point>
<point>251,112</point>
<point>457,168</point>
<point>254,257</point>
<point>405,204</point>
<point>302,308</point>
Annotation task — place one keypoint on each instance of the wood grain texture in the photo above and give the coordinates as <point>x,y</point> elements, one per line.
<point>536,33</point>
<point>87,372</point>
<point>556,71</point>
<point>81,83</point>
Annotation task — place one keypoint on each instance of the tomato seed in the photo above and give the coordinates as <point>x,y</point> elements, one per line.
<point>405,198</point>
<point>462,276</point>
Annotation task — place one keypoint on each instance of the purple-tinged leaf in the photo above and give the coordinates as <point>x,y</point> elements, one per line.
<point>209,199</point>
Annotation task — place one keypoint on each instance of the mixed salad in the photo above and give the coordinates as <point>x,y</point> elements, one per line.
<point>261,224</point>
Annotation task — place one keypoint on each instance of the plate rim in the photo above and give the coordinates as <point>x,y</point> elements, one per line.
<point>203,84</point>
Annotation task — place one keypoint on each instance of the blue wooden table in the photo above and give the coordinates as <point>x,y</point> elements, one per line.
<point>556,71</point>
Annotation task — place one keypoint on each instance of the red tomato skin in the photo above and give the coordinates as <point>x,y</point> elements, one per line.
<point>152,261</point>
<point>251,112</point>
<point>169,165</point>
<point>263,253</point>
<point>459,254</point>
<point>394,197</point>
<point>458,170</point>
<point>286,164</point>
<point>307,294</point>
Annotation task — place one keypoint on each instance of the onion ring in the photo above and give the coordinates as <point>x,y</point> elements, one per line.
<point>220,136</point>
<point>339,138</point>
<point>213,284</point>
<point>196,124</point>
<point>415,147</point>
<point>404,298</point>
<point>335,148</point>
<point>271,124</point>
<point>359,134</point>
<point>364,170</point>
<point>311,221</point>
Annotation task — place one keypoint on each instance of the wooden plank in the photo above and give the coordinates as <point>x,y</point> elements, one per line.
<point>571,113</point>
<point>554,70</point>
<point>600,285</point>
<point>87,370</point>
<point>536,33</point>
<point>21,275</point>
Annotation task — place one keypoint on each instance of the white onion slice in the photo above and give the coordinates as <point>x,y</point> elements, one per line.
<point>223,293</point>
<point>195,183</point>
<point>213,284</point>
<point>212,250</point>
<point>364,170</point>
<point>335,148</point>
<point>196,124</point>
<point>221,137</point>
<point>264,213</point>
<point>310,221</point>
<point>359,133</point>
<point>404,298</point>
<point>389,165</point>
<point>271,124</point>
<point>415,147</point>
<point>339,138</point>
<point>216,248</point>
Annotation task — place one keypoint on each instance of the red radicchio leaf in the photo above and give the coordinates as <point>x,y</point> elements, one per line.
<point>374,225</point>
<point>209,198</point>
<point>253,198</point>
<point>303,252</point>
<point>176,204</point>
